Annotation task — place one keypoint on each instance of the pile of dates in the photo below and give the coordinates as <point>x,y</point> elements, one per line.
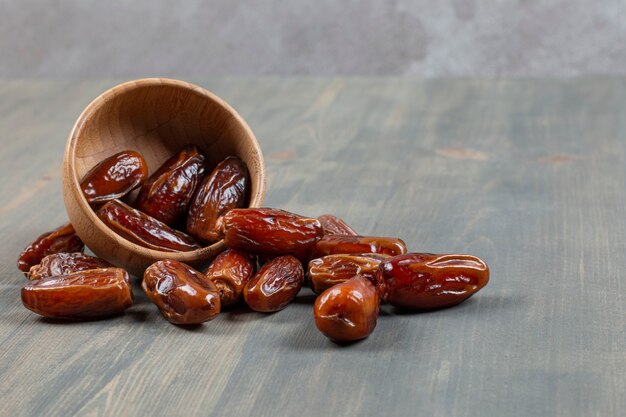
<point>271,254</point>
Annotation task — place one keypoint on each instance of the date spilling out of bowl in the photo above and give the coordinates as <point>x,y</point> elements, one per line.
<point>271,254</point>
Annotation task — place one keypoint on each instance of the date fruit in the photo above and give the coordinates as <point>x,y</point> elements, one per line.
<point>267,231</point>
<point>62,239</point>
<point>64,264</point>
<point>230,271</point>
<point>114,177</point>
<point>347,311</point>
<point>167,193</point>
<point>425,281</point>
<point>333,225</point>
<point>144,230</point>
<point>223,190</point>
<point>331,270</point>
<point>275,285</point>
<point>82,295</point>
<point>184,295</point>
<point>335,244</point>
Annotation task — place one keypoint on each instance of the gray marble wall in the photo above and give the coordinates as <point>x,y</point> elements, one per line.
<point>91,38</point>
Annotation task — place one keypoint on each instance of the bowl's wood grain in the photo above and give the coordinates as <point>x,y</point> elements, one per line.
<point>155,117</point>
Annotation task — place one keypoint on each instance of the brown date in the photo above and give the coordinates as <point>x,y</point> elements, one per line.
<point>144,230</point>
<point>64,264</point>
<point>331,270</point>
<point>62,239</point>
<point>333,225</point>
<point>267,231</point>
<point>223,190</point>
<point>335,244</point>
<point>275,285</point>
<point>182,294</point>
<point>230,271</point>
<point>347,311</point>
<point>425,281</point>
<point>114,177</point>
<point>167,193</point>
<point>82,295</point>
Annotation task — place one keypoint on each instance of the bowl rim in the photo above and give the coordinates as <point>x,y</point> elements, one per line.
<point>203,253</point>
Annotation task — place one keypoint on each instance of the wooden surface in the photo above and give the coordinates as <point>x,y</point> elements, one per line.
<point>528,175</point>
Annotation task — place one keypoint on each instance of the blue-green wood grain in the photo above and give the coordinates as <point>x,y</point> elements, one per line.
<point>528,175</point>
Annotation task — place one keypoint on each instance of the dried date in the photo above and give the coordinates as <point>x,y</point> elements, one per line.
<point>144,230</point>
<point>267,231</point>
<point>114,177</point>
<point>336,244</point>
<point>425,281</point>
<point>333,225</point>
<point>64,264</point>
<point>347,311</point>
<point>83,295</point>
<point>275,285</point>
<point>331,270</point>
<point>223,190</point>
<point>167,193</point>
<point>182,294</point>
<point>230,271</point>
<point>61,239</point>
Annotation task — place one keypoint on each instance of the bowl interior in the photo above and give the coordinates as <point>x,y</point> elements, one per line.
<point>157,117</point>
<point>157,120</point>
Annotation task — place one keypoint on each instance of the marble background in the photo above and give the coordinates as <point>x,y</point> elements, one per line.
<point>465,38</point>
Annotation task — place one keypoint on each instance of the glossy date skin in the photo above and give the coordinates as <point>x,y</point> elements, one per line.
<point>267,231</point>
<point>425,281</point>
<point>230,271</point>
<point>225,189</point>
<point>64,264</point>
<point>333,225</point>
<point>114,177</point>
<point>347,311</point>
<point>144,230</point>
<point>182,294</point>
<point>335,244</point>
<point>167,193</point>
<point>275,285</point>
<point>331,270</point>
<point>83,295</point>
<point>62,239</point>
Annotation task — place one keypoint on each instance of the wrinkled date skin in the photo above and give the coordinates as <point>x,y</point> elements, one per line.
<point>275,285</point>
<point>333,225</point>
<point>331,270</point>
<point>144,230</point>
<point>82,295</point>
<point>347,311</point>
<point>267,231</point>
<point>223,190</point>
<point>62,239</point>
<point>230,271</point>
<point>167,193</point>
<point>425,281</point>
<point>335,244</point>
<point>114,177</point>
<point>184,295</point>
<point>64,264</point>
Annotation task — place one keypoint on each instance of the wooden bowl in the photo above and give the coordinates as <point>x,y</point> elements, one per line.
<point>155,117</point>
